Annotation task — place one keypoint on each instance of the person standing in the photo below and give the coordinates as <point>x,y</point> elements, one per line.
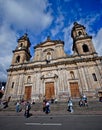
<point>17,106</point>
<point>44,105</point>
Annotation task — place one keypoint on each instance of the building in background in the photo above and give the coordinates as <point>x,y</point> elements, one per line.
<point>52,73</point>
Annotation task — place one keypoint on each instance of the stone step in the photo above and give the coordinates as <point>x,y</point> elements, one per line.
<point>60,106</point>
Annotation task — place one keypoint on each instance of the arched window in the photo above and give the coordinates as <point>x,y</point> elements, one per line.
<point>29,79</point>
<point>48,56</point>
<point>72,75</point>
<point>17,59</point>
<point>85,48</point>
<point>79,33</point>
<point>21,44</point>
<point>94,77</point>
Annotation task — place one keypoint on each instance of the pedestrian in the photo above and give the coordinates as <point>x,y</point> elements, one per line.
<point>5,104</point>
<point>17,106</point>
<point>70,105</point>
<point>33,102</point>
<point>84,99</point>
<point>44,105</point>
<point>47,109</point>
<point>27,109</point>
<point>80,103</point>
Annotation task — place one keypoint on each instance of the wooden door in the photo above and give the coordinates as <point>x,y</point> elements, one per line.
<point>49,90</point>
<point>74,88</point>
<point>27,94</point>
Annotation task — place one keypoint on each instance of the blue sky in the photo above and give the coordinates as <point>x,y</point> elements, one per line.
<point>42,18</point>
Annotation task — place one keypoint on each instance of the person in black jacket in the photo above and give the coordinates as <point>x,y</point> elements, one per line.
<point>27,109</point>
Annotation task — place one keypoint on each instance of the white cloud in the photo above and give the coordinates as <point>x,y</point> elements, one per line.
<point>7,43</point>
<point>67,39</point>
<point>98,42</point>
<point>33,15</point>
<point>89,20</point>
<point>16,15</point>
<point>59,23</point>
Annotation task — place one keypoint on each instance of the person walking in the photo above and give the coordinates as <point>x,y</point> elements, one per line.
<point>27,109</point>
<point>47,109</point>
<point>70,105</point>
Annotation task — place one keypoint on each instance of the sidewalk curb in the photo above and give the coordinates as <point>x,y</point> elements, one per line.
<point>40,113</point>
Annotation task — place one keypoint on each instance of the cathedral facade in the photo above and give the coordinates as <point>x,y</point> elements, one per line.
<point>52,73</point>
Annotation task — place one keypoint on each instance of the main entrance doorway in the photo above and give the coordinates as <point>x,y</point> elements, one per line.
<point>49,90</point>
<point>74,88</point>
<point>27,94</point>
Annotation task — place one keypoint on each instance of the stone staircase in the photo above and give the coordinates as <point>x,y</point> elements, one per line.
<point>59,107</point>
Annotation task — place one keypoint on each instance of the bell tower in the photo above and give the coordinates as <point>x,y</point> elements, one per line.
<point>22,52</point>
<point>82,42</point>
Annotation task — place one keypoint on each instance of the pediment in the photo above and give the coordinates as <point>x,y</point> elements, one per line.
<point>49,75</point>
<point>47,44</point>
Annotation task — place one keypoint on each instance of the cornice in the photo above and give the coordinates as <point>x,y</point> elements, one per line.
<point>67,62</point>
<point>22,49</point>
<point>82,38</point>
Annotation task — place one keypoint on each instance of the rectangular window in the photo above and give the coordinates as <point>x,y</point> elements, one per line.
<point>94,77</point>
<point>12,85</point>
